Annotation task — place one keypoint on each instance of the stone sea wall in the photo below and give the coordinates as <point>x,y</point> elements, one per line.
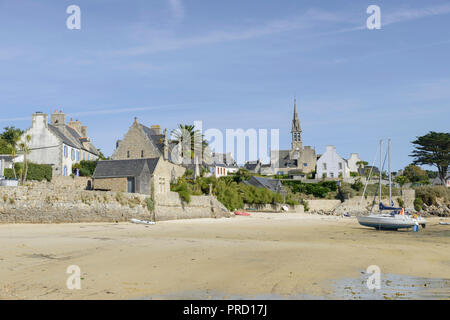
<point>169,206</point>
<point>66,200</point>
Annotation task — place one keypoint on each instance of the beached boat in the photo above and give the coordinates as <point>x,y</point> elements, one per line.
<point>397,218</point>
<point>390,221</point>
<point>240,213</point>
<point>142,221</point>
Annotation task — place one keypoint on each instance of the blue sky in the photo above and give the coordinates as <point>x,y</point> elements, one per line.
<point>233,64</point>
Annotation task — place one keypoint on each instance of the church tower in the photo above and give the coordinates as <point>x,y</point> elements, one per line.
<point>296,131</point>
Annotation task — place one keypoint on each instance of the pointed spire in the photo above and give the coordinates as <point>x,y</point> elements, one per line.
<point>295,121</point>
<point>295,108</point>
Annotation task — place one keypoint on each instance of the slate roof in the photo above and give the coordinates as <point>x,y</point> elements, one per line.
<point>251,165</point>
<point>224,160</point>
<point>157,139</point>
<point>70,137</point>
<point>271,184</point>
<point>123,168</point>
<point>285,161</point>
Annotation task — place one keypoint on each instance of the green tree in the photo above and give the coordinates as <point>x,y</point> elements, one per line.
<point>5,148</point>
<point>415,174</point>
<point>101,156</point>
<point>401,180</point>
<point>433,149</point>
<point>11,135</point>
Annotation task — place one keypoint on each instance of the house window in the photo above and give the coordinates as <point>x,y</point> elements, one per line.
<point>65,151</point>
<point>332,174</point>
<point>324,166</point>
<point>84,155</point>
<point>305,164</point>
<point>72,154</point>
<point>340,165</point>
<point>162,185</point>
<point>142,153</point>
<point>65,171</point>
<point>128,154</point>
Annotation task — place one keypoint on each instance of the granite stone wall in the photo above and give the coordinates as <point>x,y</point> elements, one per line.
<point>66,200</point>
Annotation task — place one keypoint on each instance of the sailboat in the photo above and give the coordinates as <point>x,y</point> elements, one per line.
<point>396,218</point>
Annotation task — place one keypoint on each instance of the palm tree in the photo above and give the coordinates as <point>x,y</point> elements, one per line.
<point>190,140</point>
<point>12,145</point>
<point>25,148</point>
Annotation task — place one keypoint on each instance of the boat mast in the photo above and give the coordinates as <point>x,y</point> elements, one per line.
<point>381,164</point>
<point>389,158</point>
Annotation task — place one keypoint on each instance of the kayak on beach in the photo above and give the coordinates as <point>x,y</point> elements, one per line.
<point>239,213</point>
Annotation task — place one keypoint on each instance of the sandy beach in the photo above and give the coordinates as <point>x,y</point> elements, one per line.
<point>266,255</point>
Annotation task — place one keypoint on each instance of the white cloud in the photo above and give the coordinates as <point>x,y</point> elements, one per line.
<point>166,40</point>
<point>407,14</point>
<point>314,21</point>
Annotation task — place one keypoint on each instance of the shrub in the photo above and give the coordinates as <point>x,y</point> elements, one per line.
<point>183,191</point>
<point>85,168</point>
<point>319,190</point>
<point>305,205</point>
<point>418,204</point>
<point>37,172</point>
<point>357,185</point>
<point>346,192</point>
<point>150,204</point>
<point>429,194</point>
<point>401,203</point>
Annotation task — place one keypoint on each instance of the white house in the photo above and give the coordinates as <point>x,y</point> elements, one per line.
<point>58,144</point>
<point>332,165</point>
<point>223,164</point>
<point>352,162</point>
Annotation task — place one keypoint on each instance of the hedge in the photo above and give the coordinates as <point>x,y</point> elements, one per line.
<point>319,190</point>
<point>86,168</point>
<point>37,172</point>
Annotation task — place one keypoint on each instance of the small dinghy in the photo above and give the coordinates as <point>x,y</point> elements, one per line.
<point>239,213</point>
<point>142,221</point>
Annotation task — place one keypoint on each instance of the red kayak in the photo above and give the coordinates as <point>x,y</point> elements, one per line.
<point>238,213</point>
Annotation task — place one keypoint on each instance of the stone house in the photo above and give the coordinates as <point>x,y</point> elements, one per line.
<point>332,165</point>
<point>253,166</point>
<point>142,176</point>
<point>58,144</point>
<point>142,142</point>
<point>223,164</point>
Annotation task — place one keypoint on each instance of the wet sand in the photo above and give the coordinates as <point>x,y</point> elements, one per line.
<point>262,256</point>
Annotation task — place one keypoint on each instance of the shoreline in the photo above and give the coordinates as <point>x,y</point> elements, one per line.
<point>268,254</point>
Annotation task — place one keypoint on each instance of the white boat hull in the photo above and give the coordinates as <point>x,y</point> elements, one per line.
<point>390,222</point>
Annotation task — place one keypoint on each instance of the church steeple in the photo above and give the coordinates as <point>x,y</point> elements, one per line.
<point>296,130</point>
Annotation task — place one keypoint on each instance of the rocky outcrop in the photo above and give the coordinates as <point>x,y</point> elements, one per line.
<point>440,210</point>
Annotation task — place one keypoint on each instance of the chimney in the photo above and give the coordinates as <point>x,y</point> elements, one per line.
<point>83,131</point>
<point>76,125</point>
<point>39,120</point>
<point>58,118</point>
<point>156,129</point>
